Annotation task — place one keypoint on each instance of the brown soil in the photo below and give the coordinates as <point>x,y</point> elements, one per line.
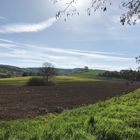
<point>28,102</point>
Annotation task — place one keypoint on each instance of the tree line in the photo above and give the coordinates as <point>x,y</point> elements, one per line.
<point>130,75</point>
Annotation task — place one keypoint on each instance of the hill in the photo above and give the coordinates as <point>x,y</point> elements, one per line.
<point>114,119</point>
<point>7,71</point>
<point>12,71</point>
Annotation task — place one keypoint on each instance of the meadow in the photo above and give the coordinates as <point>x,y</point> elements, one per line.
<point>14,81</point>
<point>114,119</point>
<point>89,73</point>
<point>21,81</point>
<point>80,106</point>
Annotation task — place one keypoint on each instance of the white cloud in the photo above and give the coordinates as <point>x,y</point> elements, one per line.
<point>20,52</point>
<point>25,55</point>
<point>20,28</point>
<point>7,46</point>
<point>2,18</point>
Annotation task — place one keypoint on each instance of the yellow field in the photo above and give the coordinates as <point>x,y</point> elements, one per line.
<point>18,81</point>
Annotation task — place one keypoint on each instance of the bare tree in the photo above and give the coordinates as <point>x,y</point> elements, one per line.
<point>138,59</point>
<point>130,16</point>
<point>47,71</point>
<point>132,12</point>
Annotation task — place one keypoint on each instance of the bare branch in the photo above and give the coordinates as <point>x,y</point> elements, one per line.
<point>131,16</point>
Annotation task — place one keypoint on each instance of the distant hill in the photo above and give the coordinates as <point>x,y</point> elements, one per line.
<point>8,68</point>
<point>12,71</point>
<point>7,71</point>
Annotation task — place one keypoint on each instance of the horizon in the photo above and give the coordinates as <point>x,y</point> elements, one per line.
<point>30,35</point>
<point>66,68</point>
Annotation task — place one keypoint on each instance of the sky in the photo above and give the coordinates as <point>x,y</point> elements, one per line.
<point>30,35</point>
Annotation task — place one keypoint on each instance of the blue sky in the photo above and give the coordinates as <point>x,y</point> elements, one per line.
<point>30,35</point>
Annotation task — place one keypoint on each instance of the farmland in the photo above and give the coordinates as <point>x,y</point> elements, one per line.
<point>19,101</point>
<point>77,106</point>
<point>69,70</point>
<point>21,81</point>
<point>16,81</point>
<point>114,119</point>
<point>89,73</point>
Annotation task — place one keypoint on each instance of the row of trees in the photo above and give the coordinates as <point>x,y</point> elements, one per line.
<point>130,75</point>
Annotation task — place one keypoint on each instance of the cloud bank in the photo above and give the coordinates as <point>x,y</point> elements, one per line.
<point>27,55</point>
<point>25,28</point>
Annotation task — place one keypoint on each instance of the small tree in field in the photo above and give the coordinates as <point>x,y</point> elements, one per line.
<point>47,71</point>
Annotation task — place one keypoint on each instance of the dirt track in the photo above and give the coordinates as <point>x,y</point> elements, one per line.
<point>28,102</point>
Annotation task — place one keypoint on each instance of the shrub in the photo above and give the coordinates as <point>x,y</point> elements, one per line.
<point>38,81</point>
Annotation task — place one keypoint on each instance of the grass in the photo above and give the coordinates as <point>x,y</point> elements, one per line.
<point>114,119</point>
<point>14,81</point>
<point>82,76</point>
<point>20,81</point>
<point>89,73</point>
<point>67,79</point>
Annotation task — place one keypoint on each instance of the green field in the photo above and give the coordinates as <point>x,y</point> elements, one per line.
<point>114,119</point>
<point>21,81</point>
<point>89,73</point>
<point>82,76</point>
<point>76,78</point>
<point>16,81</point>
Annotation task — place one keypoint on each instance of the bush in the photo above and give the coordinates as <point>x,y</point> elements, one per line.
<point>38,81</point>
<point>4,75</point>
